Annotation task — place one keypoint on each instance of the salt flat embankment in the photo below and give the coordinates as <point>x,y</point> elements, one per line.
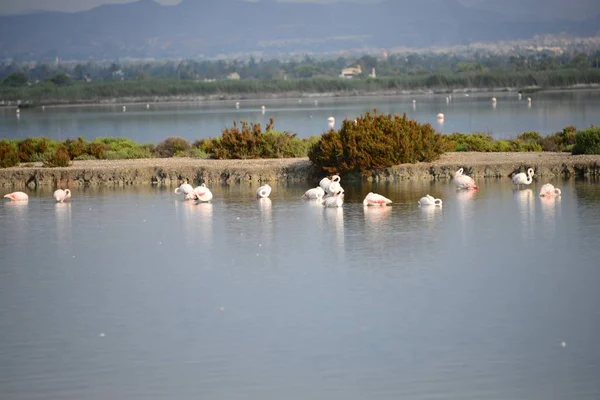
<point>173,171</point>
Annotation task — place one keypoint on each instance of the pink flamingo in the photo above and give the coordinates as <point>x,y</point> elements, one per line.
<point>374,199</point>
<point>17,196</point>
<point>337,200</point>
<point>549,190</point>
<point>62,195</point>
<point>464,181</point>
<point>315,193</point>
<point>185,189</point>
<point>202,193</point>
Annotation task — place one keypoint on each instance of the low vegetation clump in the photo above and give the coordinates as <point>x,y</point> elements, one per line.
<point>8,155</point>
<point>371,142</point>
<point>528,141</point>
<point>587,141</point>
<point>59,158</point>
<point>374,142</point>
<point>248,141</point>
<point>172,146</point>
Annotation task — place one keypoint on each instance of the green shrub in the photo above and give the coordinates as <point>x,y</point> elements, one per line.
<point>76,147</point>
<point>276,144</point>
<point>35,149</point>
<point>374,142</point>
<point>170,146</point>
<point>59,158</point>
<point>501,146</point>
<point>521,146</point>
<point>239,143</point>
<point>8,155</point>
<point>98,150</point>
<point>196,152</point>
<point>85,157</point>
<point>587,141</point>
<point>248,140</point>
<point>470,142</point>
<point>529,137</point>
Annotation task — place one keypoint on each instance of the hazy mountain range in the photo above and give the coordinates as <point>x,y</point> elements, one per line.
<point>146,29</point>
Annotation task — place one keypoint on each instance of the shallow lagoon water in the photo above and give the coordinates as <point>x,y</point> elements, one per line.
<point>549,112</point>
<point>131,293</point>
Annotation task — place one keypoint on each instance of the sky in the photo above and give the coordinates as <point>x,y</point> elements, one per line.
<point>566,8</point>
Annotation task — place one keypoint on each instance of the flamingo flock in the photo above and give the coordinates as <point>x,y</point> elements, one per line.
<point>328,193</point>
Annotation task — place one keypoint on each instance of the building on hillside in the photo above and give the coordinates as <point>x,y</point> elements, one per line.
<point>234,76</point>
<point>351,72</point>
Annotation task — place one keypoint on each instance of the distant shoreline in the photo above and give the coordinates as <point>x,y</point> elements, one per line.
<point>219,98</point>
<point>174,171</point>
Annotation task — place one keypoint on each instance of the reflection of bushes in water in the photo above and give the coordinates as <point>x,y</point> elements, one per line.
<point>375,142</point>
<point>588,189</point>
<point>587,141</point>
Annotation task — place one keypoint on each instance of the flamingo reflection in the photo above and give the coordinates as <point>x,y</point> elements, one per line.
<point>62,211</point>
<point>524,199</point>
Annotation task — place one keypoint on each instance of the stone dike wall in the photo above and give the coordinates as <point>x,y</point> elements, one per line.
<point>174,171</point>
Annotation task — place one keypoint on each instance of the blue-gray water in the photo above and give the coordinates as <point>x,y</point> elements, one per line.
<point>133,294</point>
<point>549,113</point>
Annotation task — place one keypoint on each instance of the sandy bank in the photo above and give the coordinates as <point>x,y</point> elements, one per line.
<point>173,171</point>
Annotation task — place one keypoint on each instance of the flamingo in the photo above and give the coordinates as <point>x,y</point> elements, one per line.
<point>374,199</point>
<point>464,181</point>
<point>17,196</point>
<point>334,186</point>
<point>185,189</point>
<point>202,193</point>
<point>326,183</point>
<point>430,201</point>
<point>331,122</point>
<point>549,190</point>
<point>522,179</point>
<point>263,191</point>
<point>334,201</point>
<point>315,193</point>
<point>61,195</point>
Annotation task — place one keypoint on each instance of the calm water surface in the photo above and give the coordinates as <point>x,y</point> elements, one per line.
<point>549,113</point>
<point>133,294</point>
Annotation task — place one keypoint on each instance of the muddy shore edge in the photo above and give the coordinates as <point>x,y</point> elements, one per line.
<point>174,171</point>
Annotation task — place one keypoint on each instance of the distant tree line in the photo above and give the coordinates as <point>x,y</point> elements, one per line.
<point>92,81</point>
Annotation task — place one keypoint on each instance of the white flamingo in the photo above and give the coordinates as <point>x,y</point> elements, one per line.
<point>185,189</point>
<point>326,183</point>
<point>264,191</point>
<point>374,199</point>
<point>314,194</point>
<point>202,193</point>
<point>331,122</point>
<point>523,179</point>
<point>17,196</point>
<point>429,200</point>
<point>549,190</point>
<point>61,195</point>
<point>464,181</point>
<point>337,200</point>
